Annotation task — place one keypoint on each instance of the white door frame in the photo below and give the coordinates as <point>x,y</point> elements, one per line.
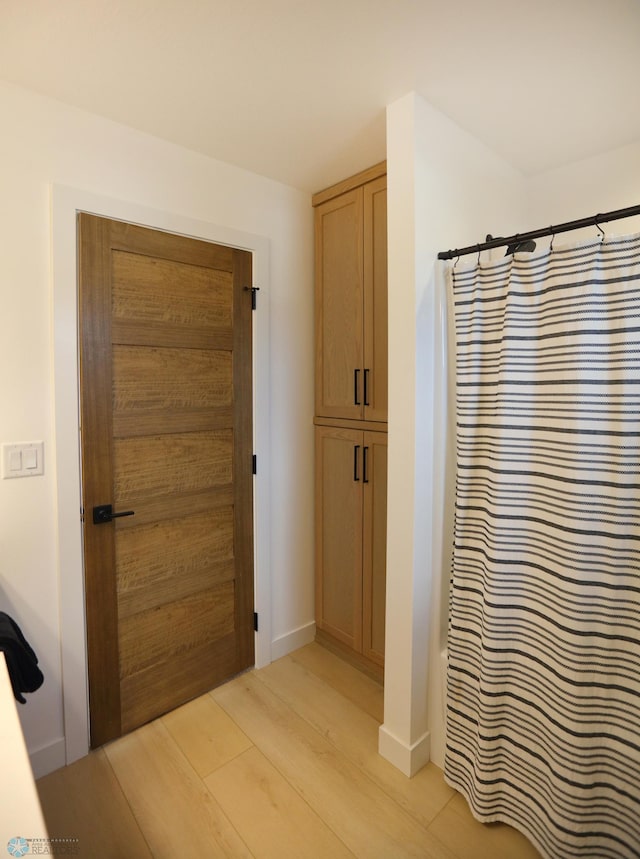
<point>65,204</point>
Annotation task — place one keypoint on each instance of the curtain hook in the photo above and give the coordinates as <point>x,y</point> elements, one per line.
<point>600,230</point>
<point>478,249</point>
<point>553,235</point>
<point>457,258</point>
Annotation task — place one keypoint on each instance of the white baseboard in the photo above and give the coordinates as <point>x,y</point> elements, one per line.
<point>49,758</point>
<point>408,759</point>
<point>293,640</point>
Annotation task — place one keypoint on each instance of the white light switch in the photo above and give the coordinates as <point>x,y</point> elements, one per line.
<point>29,458</point>
<point>23,459</point>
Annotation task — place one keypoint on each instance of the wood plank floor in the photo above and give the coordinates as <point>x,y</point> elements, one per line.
<point>279,763</point>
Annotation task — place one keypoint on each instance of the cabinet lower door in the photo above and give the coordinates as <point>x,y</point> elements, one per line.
<point>374,545</point>
<point>339,509</point>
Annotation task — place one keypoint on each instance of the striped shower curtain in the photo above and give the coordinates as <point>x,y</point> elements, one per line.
<point>543,697</point>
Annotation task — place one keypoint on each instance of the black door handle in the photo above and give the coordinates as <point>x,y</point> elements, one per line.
<point>365,458</point>
<point>104,513</point>
<point>356,449</point>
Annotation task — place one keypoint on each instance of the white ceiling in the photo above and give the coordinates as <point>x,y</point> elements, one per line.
<point>296,90</point>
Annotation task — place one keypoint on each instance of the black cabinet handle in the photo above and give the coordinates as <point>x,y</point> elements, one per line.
<point>104,513</point>
<point>366,387</point>
<point>356,378</point>
<point>365,459</point>
<point>356,449</point>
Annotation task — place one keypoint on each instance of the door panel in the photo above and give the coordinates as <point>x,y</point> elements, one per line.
<point>150,380</point>
<point>183,294</point>
<point>152,692</point>
<point>166,432</point>
<point>155,466</point>
<point>173,559</point>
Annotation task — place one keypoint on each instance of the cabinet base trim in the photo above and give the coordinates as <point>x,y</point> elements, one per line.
<point>408,759</point>
<point>376,672</point>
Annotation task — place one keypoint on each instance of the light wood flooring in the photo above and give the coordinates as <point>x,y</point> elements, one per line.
<point>279,763</point>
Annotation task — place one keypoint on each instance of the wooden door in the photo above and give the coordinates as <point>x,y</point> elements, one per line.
<point>339,462</point>
<point>374,560</point>
<point>166,428</point>
<point>375,371</point>
<point>339,306</point>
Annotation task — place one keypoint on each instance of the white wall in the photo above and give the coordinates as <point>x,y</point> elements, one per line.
<point>591,186</point>
<point>445,189</point>
<point>45,143</point>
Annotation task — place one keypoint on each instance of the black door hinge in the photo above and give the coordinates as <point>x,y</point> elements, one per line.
<point>254,463</point>
<point>253,289</point>
<point>255,621</point>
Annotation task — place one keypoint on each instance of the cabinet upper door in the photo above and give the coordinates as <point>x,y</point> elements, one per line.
<point>375,374</point>
<point>340,306</point>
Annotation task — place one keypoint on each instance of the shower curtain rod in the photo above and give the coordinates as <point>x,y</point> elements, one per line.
<point>519,238</point>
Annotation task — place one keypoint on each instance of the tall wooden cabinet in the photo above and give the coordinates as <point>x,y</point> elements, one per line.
<point>351,415</point>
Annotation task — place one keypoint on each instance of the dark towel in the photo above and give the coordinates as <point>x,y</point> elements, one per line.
<point>22,662</point>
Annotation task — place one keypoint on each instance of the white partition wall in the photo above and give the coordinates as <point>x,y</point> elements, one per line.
<point>444,186</point>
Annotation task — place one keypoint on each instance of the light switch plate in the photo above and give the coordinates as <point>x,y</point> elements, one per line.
<point>22,459</point>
